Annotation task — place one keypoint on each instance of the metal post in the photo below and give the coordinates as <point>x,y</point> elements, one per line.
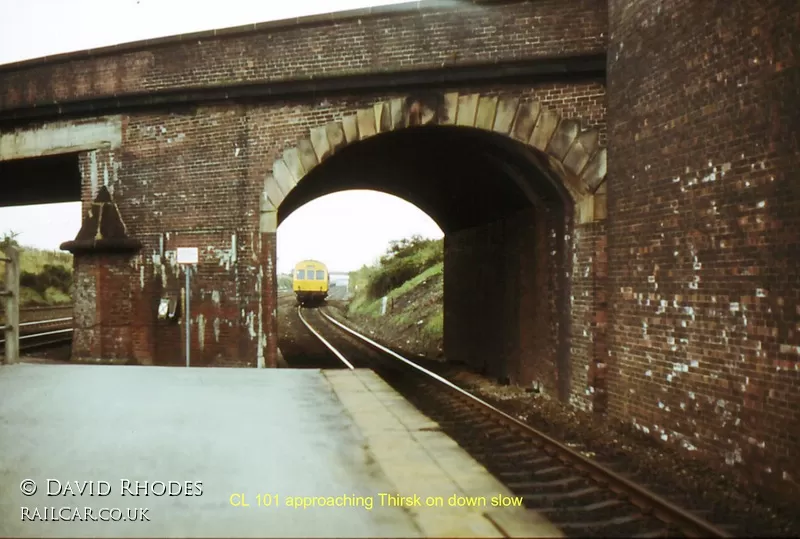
<point>12,304</point>
<point>187,318</point>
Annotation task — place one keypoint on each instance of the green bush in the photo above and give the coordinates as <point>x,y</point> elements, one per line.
<point>45,276</point>
<point>28,296</point>
<point>406,264</point>
<point>55,296</point>
<point>56,277</point>
<point>404,260</point>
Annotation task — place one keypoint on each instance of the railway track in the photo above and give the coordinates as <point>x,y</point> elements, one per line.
<point>582,496</point>
<point>39,334</point>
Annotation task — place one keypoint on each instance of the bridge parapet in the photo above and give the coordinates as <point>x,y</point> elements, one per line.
<point>401,37</point>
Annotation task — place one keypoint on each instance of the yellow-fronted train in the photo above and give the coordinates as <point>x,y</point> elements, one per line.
<point>310,282</point>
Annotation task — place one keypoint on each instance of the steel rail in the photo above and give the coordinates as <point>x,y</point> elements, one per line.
<point>649,502</point>
<point>46,333</point>
<point>326,343</point>
<point>41,322</point>
<point>36,335</point>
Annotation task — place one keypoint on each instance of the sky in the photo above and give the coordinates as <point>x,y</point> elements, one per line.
<point>358,225</point>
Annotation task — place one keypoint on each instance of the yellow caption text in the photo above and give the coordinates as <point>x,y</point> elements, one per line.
<point>382,499</point>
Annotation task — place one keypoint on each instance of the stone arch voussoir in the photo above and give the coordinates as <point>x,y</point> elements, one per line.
<point>574,154</point>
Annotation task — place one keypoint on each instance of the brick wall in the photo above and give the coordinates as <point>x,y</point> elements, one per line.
<point>320,47</point>
<point>589,309</point>
<point>502,303</point>
<point>193,179</point>
<point>105,305</point>
<point>704,217</point>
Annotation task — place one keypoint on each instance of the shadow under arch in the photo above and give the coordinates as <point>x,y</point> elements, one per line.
<point>465,179</point>
<point>451,173</point>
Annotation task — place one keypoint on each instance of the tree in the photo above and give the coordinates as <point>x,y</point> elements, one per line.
<point>10,239</point>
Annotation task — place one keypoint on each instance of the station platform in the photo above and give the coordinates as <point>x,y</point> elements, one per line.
<point>254,449</point>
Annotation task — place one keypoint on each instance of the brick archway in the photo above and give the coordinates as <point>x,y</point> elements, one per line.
<point>573,154</point>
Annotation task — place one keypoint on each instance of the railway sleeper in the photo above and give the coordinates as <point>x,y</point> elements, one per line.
<point>498,441</point>
<point>522,475</point>
<point>456,420</point>
<point>516,448</point>
<point>558,485</point>
<point>577,518</point>
<point>515,467</point>
<point>497,435</point>
<point>663,532</point>
<point>488,443</point>
<point>522,450</point>
<point>603,507</point>
<point>627,529</point>
<point>594,525</point>
<point>516,459</point>
<point>550,470</point>
<point>584,496</point>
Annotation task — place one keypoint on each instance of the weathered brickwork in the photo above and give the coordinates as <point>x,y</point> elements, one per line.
<point>105,317</point>
<point>497,315</point>
<point>361,43</point>
<point>704,228</point>
<point>194,178</point>
<point>680,313</point>
<point>589,310</point>
<point>503,289</point>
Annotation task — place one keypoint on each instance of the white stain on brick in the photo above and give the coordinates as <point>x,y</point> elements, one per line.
<point>712,177</point>
<point>226,257</point>
<point>201,331</point>
<point>789,349</point>
<point>262,339</point>
<point>250,323</point>
<point>733,457</point>
<point>93,172</point>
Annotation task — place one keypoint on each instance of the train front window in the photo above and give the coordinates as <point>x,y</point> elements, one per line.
<point>310,275</point>
<point>301,274</point>
<point>320,275</point>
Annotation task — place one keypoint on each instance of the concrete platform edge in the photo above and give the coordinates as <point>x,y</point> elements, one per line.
<point>421,460</point>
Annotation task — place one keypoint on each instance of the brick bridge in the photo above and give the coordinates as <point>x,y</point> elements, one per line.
<point>663,292</point>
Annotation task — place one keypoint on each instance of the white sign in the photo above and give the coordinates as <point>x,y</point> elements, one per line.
<point>187,255</point>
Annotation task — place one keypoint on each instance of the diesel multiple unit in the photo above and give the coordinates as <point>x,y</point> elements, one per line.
<point>310,282</point>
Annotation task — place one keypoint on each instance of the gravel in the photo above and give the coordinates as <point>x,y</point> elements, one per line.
<point>717,494</point>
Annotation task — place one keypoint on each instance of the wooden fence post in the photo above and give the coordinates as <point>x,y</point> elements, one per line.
<point>11,293</point>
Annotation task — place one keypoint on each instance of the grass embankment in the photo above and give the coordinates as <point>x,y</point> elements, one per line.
<point>45,277</point>
<point>410,277</point>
